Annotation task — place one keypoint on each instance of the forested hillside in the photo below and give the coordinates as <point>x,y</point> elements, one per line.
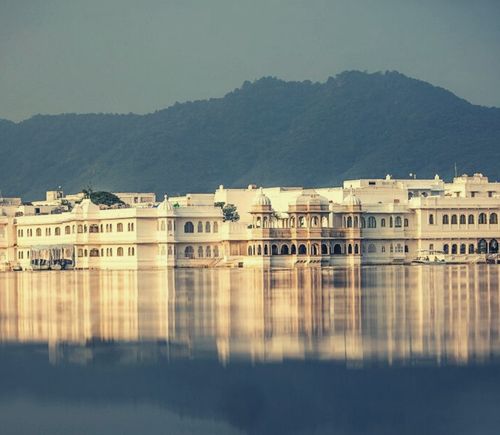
<point>268,132</point>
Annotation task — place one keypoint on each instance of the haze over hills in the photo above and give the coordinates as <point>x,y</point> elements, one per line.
<point>268,132</point>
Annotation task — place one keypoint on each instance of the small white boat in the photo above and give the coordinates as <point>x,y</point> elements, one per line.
<point>430,257</point>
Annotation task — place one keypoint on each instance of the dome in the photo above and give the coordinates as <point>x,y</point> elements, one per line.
<point>165,205</point>
<point>351,200</point>
<point>86,207</point>
<point>311,199</point>
<point>261,199</point>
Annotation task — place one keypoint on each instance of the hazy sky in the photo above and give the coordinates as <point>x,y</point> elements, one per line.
<point>138,56</point>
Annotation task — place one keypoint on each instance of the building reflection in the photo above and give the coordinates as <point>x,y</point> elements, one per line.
<point>392,314</point>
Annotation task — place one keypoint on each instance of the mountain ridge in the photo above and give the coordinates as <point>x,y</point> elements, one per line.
<point>269,131</point>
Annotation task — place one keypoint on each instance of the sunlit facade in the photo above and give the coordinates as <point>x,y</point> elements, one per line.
<point>367,221</point>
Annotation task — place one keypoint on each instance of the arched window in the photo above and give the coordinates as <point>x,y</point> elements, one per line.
<point>391,248</point>
<point>446,220</point>
<point>382,249</point>
<point>266,250</point>
<point>356,248</point>
<point>189,252</point>
<point>390,222</point>
<point>431,219</point>
<point>38,232</point>
<point>471,248</point>
<point>293,249</point>
<point>259,250</point>
<point>119,252</point>
<point>463,248</point>
<point>349,249</point>
<point>47,231</point>
<point>406,222</point>
<point>130,226</point>
<point>94,252</point>
<point>462,219</point>
<point>292,222</point>
<point>208,252</point>
<point>302,222</point>
<point>371,248</point>
<point>207,227</point>
<point>363,222</point>
<point>216,227</point>
<point>264,222</point>
<point>372,222</point>
<point>446,248</point>
<point>315,221</point>
<point>337,249</point>
<point>314,249</point>
<point>80,252</point>
<point>382,222</point>
<point>482,219</point>
<point>189,227</point>
<point>324,249</point>
<point>284,250</point>
<point>249,250</point>
<point>355,225</point>
<point>493,247</point>
<point>94,228</point>
<point>200,227</point>
<point>454,219</point>
<point>302,250</point>
<point>407,249</point>
<point>349,222</point>
<point>216,251</point>
<point>274,249</point>
<point>471,219</point>
<point>200,251</point>
<point>493,218</point>
<point>324,222</point>
<point>482,247</point>
<point>119,227</point>
<point>132,251</point>
<point>454,248</point>
<point>169,226</point>
<point>397,222</point>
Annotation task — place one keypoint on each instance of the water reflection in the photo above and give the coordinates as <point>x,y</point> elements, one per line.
<point>393,314</point>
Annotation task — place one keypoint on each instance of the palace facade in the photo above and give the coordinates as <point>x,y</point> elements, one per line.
<point>367,221</point>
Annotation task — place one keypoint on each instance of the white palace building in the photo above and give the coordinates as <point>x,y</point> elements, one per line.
<point>367,221</point>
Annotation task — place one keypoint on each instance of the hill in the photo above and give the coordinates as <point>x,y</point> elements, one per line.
<point>269,132</point>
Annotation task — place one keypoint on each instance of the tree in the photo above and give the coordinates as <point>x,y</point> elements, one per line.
<point>230,213</point>
<point>105,198</point>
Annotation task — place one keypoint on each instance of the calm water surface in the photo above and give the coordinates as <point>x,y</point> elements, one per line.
<point>371,350</point>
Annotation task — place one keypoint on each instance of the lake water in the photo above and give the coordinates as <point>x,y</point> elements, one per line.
<point>369,350</point>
